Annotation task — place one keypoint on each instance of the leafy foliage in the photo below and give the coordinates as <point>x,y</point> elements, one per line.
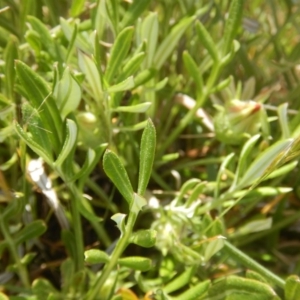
<point>149,149</point>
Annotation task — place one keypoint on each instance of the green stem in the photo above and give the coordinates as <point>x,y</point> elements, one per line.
<point>238,255</point>
<point>12,247</point>
<point>120,247</point>
<point>79,260</point>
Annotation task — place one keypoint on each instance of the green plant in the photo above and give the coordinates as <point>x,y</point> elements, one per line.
<point>149,149</point>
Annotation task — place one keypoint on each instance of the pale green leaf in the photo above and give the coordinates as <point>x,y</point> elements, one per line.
<point>138,108</point>
<point>70,142</point>
<point>207,41</point>
<point>125,85</point>
<point>118,53</point>
<point>95,256</point>
<point>261,164</point>
<point>147,153</point>
<point>149,33</point>
<point>232,24</point>
<point>67,93</point>
<point>92,75</point>
<point>180,281</point>
<point>136,263</point>
<point>167,46</point>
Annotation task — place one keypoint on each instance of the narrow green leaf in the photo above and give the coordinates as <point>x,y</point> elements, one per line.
<point>180,281</point>
<point>92,158</point>
<point>112,8</point>
<point>67,93</point>
<point>241,287</point>
<point>81,41</point>
<point>136,263</point>
<point>261,164</point>
<point>37,148</point>
<point>264,191</point>
<point>133,64</point>
<point>71,45</point>
<point>207,41</point>
<point>193,71</point>
<point>168,45</point>
<point>195,292</point>
<point>283,120</point>
<point>125,85</point>
<point>214,245</point>
<point>144,76</point>
<point>118,53</point>
<point>232,24</point>
<point>87,211</point>
<point>222,85</point>
<point>36,128</point>
<point>283,170</point>
<point>10,55</point>
<point>34,40</point>
<point>139,108</point>
<point>253,226</point>
<point>89,68</point>
<point>144,238</point>
<point>292,288</point>
<point>95,256</point>
<point>243,160</point>
<point>102,18</point>
<point>115,170</point>
<point>255,276</point>
<point>147,153</point>
<point>135,10</point>
<point>149,33</point>
<point>30,231</point>
<point>186,187</point>
<point>223,166</point>
<point>69,144</point>
<point>134,127</point>
<point>197,190</point>
<point>77,7</point>
<point>38,93</point>
<point>27,258</point>
<point>44,34</point>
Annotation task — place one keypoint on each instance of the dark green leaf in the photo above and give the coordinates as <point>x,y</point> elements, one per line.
<point>232,24</point>
<point>118,53</point>
<point>115,170</point>
<point>30,231</point>
<point>39,96</point>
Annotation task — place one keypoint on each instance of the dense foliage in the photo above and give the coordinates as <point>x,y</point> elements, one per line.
<point>149,149</point>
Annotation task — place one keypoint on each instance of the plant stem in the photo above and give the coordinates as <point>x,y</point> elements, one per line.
<point>252,264</point>
<point>12,247</point>
<point>79,260</point>
<point>120,247</point>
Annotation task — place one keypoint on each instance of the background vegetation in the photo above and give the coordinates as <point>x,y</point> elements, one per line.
<point>149,149</point>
